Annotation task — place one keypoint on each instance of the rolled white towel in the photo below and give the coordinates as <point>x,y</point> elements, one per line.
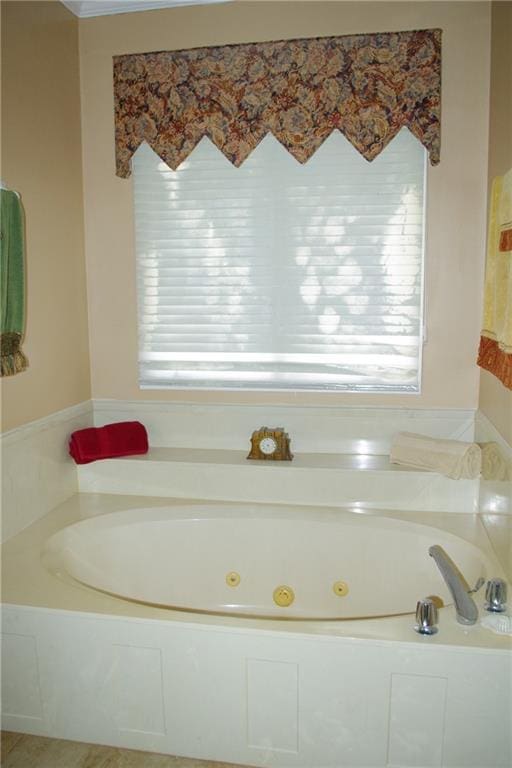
<point>494,464</point>
<point>452,458</point>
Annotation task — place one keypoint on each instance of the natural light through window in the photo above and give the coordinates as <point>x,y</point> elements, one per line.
<point>278,275</point>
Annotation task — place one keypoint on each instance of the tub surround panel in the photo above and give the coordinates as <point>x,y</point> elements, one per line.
<point>486,431</point>
<point>138,698</point>
<point>272,705</point>
<point>366,481</point>
<point>326,480</point>
<point>199,451</point>
<point>311,429</point>
<point>416,719</point>
<point>499,530</point>
<point>495,498</point>
<point>64,418</point>
<point>21,691</point>
<point>37,473</point>
<point>205,442</point>
<point>357,698</point>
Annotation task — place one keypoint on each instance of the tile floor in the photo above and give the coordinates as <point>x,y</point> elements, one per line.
<point>19,750</point>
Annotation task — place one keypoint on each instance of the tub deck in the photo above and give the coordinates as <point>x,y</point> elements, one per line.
<point>26,582</point>
<point>85,666</point>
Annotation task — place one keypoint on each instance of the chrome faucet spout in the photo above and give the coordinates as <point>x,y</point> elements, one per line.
<point>465,606</point>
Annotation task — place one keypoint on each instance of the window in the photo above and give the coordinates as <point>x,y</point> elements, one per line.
<point>278,275</point>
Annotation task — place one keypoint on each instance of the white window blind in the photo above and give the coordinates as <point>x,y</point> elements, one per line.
<point>278,275</point>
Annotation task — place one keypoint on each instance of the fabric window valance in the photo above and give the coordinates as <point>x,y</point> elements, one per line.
<point>366,86</point>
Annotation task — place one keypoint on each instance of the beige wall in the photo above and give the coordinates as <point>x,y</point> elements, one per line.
<point>456,188</point>
<point>495,399</point>
<point>41,159</point>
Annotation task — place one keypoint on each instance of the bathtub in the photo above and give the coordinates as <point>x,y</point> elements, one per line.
<point>268,562</point>
<point>136,627</point>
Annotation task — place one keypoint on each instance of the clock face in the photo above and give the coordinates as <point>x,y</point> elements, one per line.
<point>268,446</point>
<point>270,443</point>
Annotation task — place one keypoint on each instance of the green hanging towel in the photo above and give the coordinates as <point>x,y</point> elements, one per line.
<point>12,284</point>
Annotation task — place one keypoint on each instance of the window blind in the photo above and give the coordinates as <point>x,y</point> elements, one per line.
<point>278,275</point>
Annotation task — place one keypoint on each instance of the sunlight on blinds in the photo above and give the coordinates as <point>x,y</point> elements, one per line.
<point>278,275</point>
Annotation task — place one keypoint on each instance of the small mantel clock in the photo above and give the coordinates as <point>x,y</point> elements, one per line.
<point>270,443</point>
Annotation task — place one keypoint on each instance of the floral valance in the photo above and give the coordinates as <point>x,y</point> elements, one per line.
<point>366,86</point>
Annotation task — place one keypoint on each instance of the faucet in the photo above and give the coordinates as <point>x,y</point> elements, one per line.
<point>465,606</point>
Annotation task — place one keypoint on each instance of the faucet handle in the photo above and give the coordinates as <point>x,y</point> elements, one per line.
<point>426,617</point>
<point>480,582</point>
<point>496,596</point>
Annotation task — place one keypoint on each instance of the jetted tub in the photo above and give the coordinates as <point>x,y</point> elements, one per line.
<point>80,664</point>
<point>264,562</point>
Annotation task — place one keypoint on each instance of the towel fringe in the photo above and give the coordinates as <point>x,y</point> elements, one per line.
<point>495,360</point>
<point>12,359</point>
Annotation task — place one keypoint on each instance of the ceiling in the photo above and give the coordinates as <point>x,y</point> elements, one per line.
<point>87,8</point>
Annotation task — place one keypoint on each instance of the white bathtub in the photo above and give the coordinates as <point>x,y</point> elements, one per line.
<point>82,664</point>
<point>244,559</point>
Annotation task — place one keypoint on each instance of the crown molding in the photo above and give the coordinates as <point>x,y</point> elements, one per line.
<point>87,8</point>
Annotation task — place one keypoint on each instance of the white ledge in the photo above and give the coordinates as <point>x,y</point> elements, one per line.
<point>366,481</point>
<point>342,461</point>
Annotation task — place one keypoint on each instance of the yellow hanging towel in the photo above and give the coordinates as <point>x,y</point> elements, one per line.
<point>495,353</point>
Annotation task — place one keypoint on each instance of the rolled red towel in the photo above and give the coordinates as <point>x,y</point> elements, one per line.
<point>125,438</point>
